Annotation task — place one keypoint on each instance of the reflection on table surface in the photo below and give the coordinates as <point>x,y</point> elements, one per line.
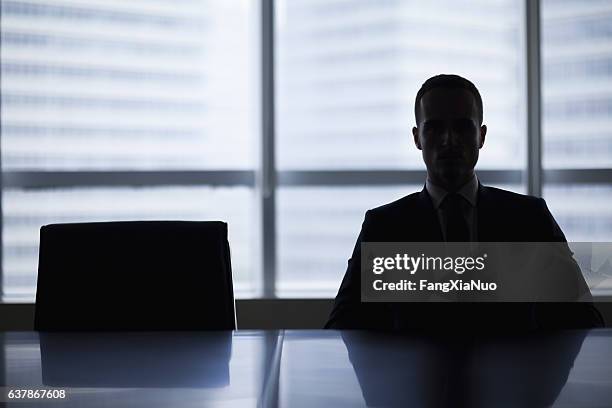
<point>147,369</point>
<point>357,368</point>
<point>313,368</point>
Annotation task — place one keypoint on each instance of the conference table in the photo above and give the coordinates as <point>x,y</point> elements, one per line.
<point>307,368</point>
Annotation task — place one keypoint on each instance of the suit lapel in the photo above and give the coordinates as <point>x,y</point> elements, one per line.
<point>427,222</point>
<point>485,214</point>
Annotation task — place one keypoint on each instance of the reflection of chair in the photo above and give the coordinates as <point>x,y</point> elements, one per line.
<point>136,360</point>
<point>145,275</point>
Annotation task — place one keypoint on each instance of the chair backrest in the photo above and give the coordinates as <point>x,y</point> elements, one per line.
<point>132,276</point>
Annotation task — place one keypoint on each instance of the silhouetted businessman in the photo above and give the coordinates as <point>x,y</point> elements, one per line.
<point>455,207</point>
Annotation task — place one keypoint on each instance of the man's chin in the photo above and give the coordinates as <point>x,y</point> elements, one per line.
<point>451,161</point>
<point>453,174</point>
<point>451,168</point>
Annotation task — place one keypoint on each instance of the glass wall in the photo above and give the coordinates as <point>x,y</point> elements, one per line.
<point>106,93</point>
<point>577,115</point>
<point>149,109</point>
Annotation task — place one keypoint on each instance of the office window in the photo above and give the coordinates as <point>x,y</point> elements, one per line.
<point>116,110</point>
<point>347,75</point>
<point>26,210</point>
<point>348,72</point>
<point>577,116</point>
<point>317,229</point>
<point>582,210</point>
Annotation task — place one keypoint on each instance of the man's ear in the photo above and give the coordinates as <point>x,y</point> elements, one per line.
<point>483,134</point>
<point>415,134</point>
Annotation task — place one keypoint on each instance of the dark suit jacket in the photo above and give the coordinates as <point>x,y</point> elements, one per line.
<point>502,216</point>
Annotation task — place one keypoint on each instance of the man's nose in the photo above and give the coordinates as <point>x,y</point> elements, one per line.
<point>448,137</point>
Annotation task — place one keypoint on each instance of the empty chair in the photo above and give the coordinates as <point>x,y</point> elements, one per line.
<point>132,276</point>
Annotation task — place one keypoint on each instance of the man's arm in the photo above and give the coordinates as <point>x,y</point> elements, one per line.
<point>349,312</point>
<point>566,315</point>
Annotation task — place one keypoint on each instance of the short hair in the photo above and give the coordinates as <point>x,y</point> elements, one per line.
<point>447,81</point>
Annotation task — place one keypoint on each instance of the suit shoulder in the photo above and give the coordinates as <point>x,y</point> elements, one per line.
<point>400,204</point>
<point>512,198</point>
<point>525,213</point>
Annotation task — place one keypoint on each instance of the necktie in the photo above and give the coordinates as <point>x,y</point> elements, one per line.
<point>456,225</point>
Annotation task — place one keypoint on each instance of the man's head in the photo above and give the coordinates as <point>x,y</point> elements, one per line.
<point>449,129</point>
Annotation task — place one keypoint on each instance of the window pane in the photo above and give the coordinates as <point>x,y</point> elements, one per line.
<point>25,211</point>
<point>348,72</point>
<point>129,85</point>
<point>583,211</point>
<point>577,115</point>
<point>577,83</point>
<point>317,230</point>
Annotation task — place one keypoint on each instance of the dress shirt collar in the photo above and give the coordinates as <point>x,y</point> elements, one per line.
<point>469,191</point>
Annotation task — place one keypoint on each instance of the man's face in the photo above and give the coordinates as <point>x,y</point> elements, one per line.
<point>449,134</point>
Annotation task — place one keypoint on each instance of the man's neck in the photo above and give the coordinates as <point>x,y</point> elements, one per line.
<point>452,186</point>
